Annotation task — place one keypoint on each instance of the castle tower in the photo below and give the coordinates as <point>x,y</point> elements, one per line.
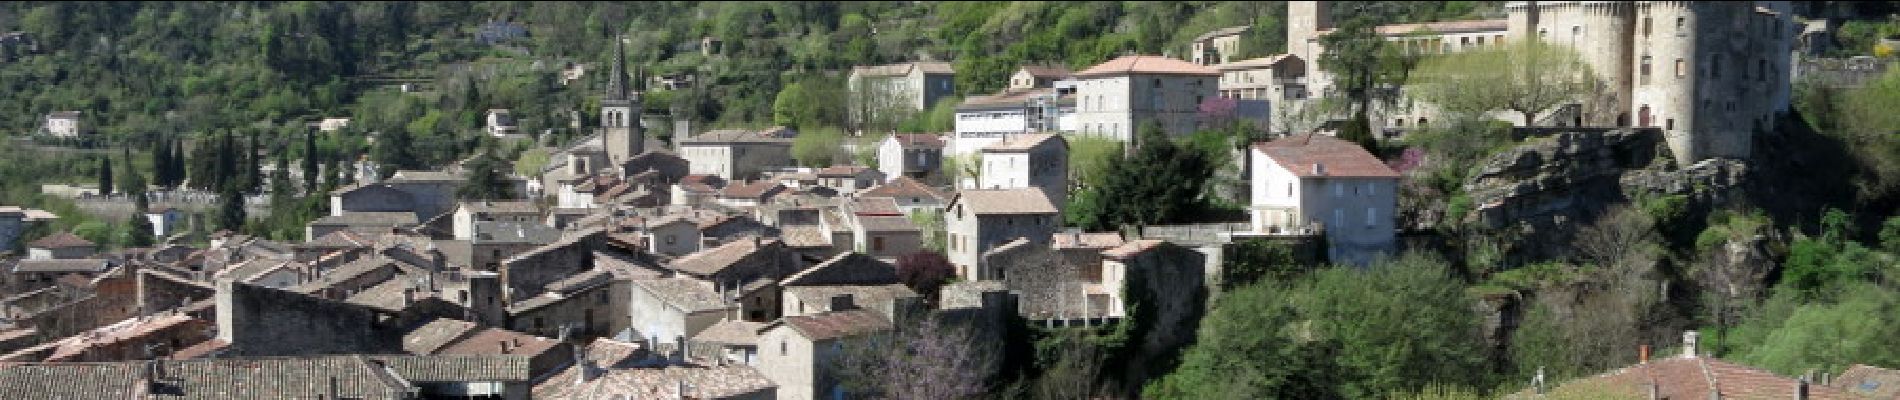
<point>1305,20</point>
<point>1603,36</point>
<point>620,113</point>
<point>1668,74</point>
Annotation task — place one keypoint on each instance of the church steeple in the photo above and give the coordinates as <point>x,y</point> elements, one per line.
<point>617,81</point>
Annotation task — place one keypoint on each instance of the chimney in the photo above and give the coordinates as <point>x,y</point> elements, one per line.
<point>682,389</point>
<point>1319,169</point>
<point>504,347</point>
<point>517,341</point>
<point>1642,354</point>
<point>1801,388</point>
<point>1688,344</point>
<point>843,302</point>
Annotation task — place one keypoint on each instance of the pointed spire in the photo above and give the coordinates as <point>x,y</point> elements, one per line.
<point>617,80</point>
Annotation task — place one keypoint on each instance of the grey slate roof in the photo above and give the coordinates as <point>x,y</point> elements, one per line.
<point>61,266</point>
<point>691,295</point>
<point>368,218</point>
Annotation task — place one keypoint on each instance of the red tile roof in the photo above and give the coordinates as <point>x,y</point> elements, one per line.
<point>1152,65</point>
<point>753,190</point>
<point>838,324</point>
<point>904,186</point>
<point>60,240</point>
<point>1132,248</point>
<point>1313,155</point>
<point>1694,378</point>
<point>926,140</point>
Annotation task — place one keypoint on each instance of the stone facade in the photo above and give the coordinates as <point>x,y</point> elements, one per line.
<point>1038,161</point>
<point>258,321</point>
<point>1115,98</point>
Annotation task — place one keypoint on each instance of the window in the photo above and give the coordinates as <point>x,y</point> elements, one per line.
<point>1289,189</point>
<point>1643,70</point>
<point>1761,70</point>
<point>781,348</point>
<point>1715,66</point>
<point>1368,188</point>
<point>1669,124</point>
<point>461,296</point>
<point>1339,217</point>
<point>877,243</point>
<point>1682,68</point>
<point>601,297</point>
<point>1339,190</point>
<point>1372,214</point>
<point>1157,83</point>
<point>1681,24</point>
<point>1646,26</point>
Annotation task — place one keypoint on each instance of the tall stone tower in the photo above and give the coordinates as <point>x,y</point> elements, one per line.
<point>620,114</point>
<point>1304,22</point>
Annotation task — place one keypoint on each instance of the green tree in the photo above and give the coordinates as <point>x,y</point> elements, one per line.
<point>1256,260</point>
<point>1366,70</point>
<point>130,181</point>
<point>309,162</point>
<point>1829,336</point>
<point>231,213</point>
<point>1168,177</point>
<point>818,147</point>
<point>1527,77</point>
<point>105,176</point>
<point>138,232</point>
<point>486,179</point>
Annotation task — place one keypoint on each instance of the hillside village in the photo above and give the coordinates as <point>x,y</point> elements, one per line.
<point>1202,225</point>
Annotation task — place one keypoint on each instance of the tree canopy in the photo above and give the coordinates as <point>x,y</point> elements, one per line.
<point>1527,77</point>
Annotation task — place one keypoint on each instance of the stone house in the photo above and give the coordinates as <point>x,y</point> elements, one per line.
<point>866,282</point>
<point>673,235</point>
<point>1117,97</point>
<point>1039,161</point>
<point>64,124</point>
<point>444,336</point>
<point>432,191</point>
<point>589,305</point>
<point>887,91</point>
<point>60,246</point>
<point>732,342</point>
<point>981,219</point>
<point>43,272</point>
<point>910,195</point>
<point>1310,184</point>
<point>666,310</point>
<point>364,223</point>
<point>794,351</point>
<point>467,214</point>
<point>734,154</point>
<point>742,270</point>
<point>848,178</point>
<point>1217,46</point>
<point>1038,76</point>
<point>915,155</point>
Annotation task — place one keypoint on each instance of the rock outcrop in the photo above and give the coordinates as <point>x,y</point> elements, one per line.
<point>1534,197</point>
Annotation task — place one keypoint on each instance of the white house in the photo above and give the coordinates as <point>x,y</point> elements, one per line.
<point>985,120</point>
<point>501,123</point>
<point>848,178</point>
<point>906,154</point>
<point>469,213</point>
<point>1115,98</point>
<point>978,220</point>
<point>64,124</point>
<point>165,220</point>
<point>1308,182</point>
<point>1038,161</point>
<point>675,235</point>
<point>332,124</point>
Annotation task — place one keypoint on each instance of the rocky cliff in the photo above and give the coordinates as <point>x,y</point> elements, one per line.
<point>1531,199</point>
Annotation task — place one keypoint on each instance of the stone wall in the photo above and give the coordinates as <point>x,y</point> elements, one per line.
<point>259,321</point>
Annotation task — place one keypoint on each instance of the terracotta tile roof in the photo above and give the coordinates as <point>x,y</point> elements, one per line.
<point>903,186</point>
<point>1005,201</point>
<point>88,266</point>
<point>203,349</point>
<point>1444,27</point>
<point>929,67</point>
<point>702,382</point>
<point>841,171</point>
<point>1090,240</point>
<point>687,294</point>
<point>459,367</point>
<point>60,240</point>
<point>711,261</point>
<point>1255,63</point>
<point>488,341</point>
<point>1014,98</point>
<point>1024,142</point>
<point>723,136</point>
<point>1333,157</point>
<point>1232,30</point>
<point>1870,381</point>
<point>1693,378</point>
<point>875,206</point>
<point>755,190</point>
<point>731,332</point>
<point>1150,65</point>
<point>502,207</point>
<point>882,223</point>
<point>849,268</point>
<point>804,236</point>
<point>435,335</point>
<point>836,324</point>
<point>1047,71</point>
<point>1132,248</point>
<point>918,140</point>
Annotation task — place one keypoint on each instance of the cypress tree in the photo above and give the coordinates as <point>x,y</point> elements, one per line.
<point>254,171</point>
<point>231,209</point>
<point>178,162</point>
<point>309,162</point>
<point>160,150</point>
<point>105,176</point>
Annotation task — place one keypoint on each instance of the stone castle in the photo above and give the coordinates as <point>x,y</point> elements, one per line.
<point>1707,74</point>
